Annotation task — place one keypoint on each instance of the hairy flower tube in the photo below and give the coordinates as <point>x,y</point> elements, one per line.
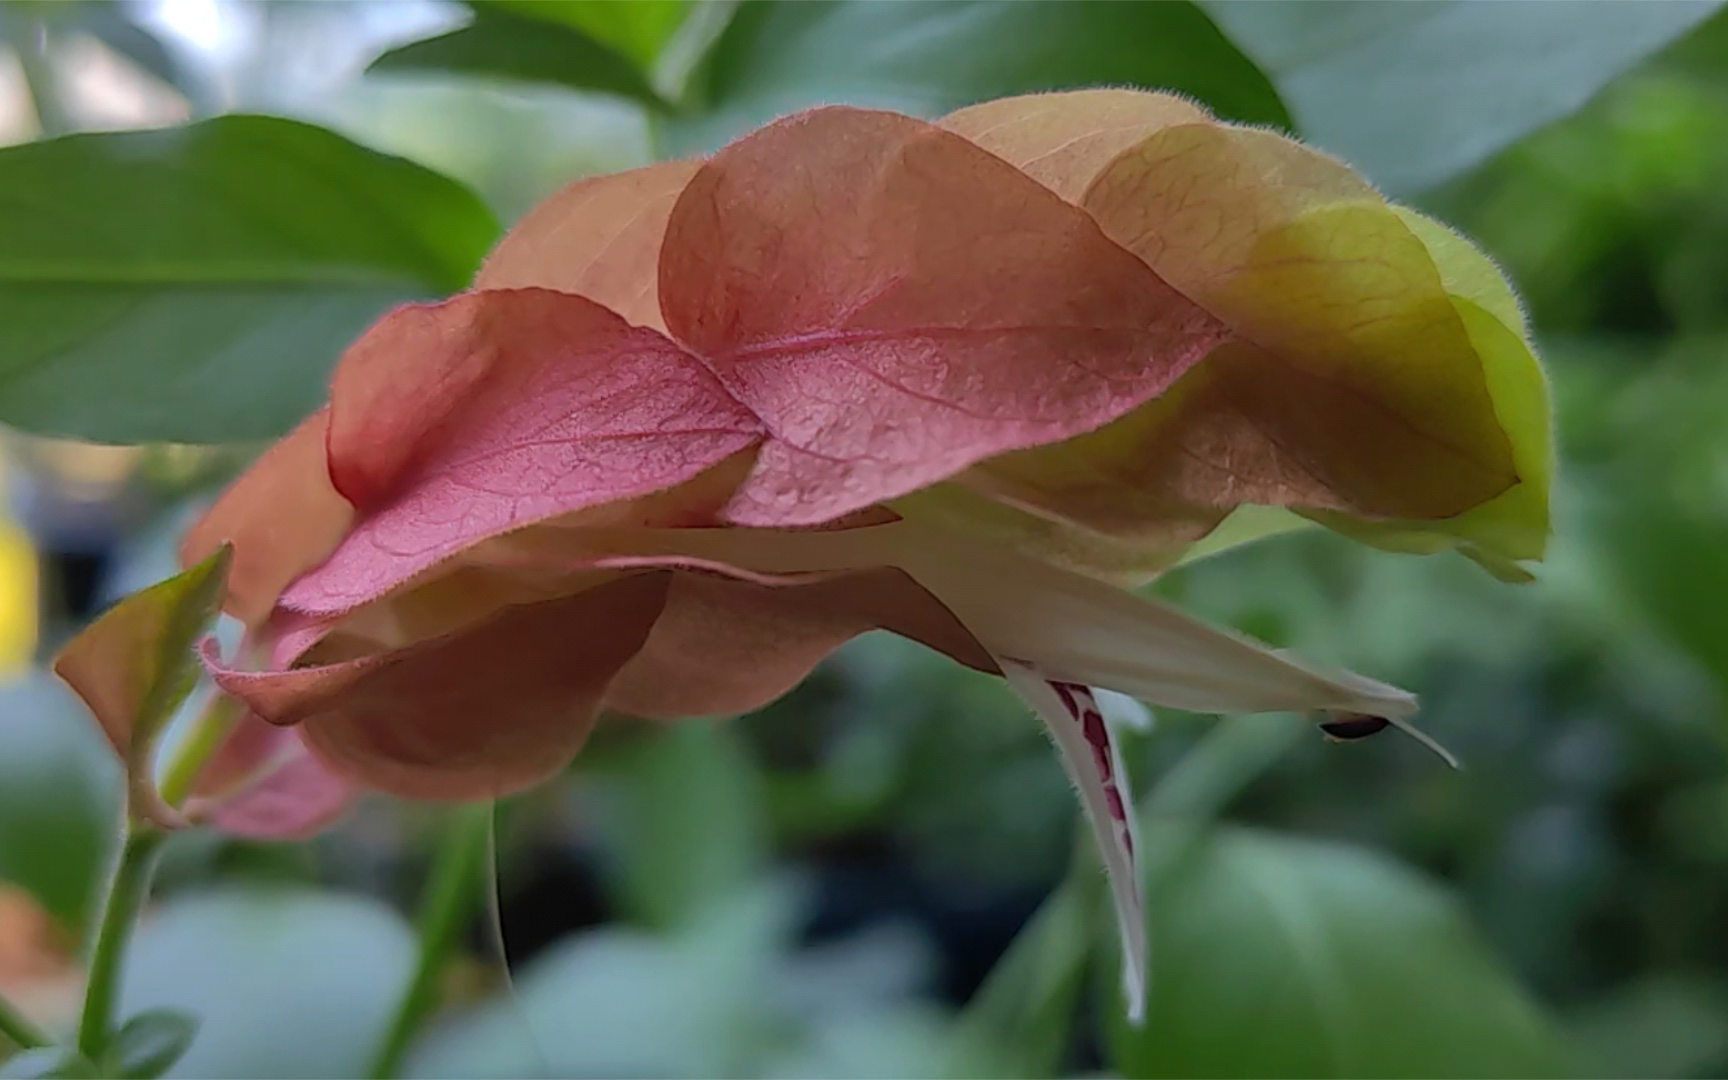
<point>698,424</point>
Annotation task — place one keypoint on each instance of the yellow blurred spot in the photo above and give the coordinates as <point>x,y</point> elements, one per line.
<point>18,598</point>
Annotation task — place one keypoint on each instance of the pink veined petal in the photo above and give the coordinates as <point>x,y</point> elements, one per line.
<point>282,516</point>
<point>1087,747</point>
<point>453,422</point>
<point>269,786</point>
<point>895,304</point>
<point>935,307</point>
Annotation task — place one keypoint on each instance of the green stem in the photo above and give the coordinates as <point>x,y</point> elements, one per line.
<point>453,890</point>
<point>1214,771</point>
<point>126,893</point>
<point>17,1028</point>
<point>130,886</point>
<point>39,78</point>
<point>208,733</point>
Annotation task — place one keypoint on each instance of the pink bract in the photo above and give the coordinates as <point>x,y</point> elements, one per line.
<point>698,424</point>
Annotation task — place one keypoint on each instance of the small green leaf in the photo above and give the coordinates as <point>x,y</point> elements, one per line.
<point>49,1063</point>
<point>207,277</point>
<point>1452,83</point>
<point>189,602</point>
<point>504,44</point>
<point>927,58</point>
<point>1276,956</point>
<point>148,1045</point>
<point>136,664</point>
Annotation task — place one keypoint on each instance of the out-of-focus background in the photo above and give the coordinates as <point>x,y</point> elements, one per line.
<point>877,876</point>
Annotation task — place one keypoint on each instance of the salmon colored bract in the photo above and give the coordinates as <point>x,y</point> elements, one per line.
<point>698,424</point>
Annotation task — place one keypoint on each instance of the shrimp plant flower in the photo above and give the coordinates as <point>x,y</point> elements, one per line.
<point>970,381</point>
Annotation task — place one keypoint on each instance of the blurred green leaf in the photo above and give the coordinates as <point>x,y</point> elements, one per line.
<point>60,789</point>
<point>1660,508</point>
<point>1660,1026</point>
<point>1702,54</point>
<point>148,1045</point>
<point>688,827</point>
<point>283,983</point>
<point>1276,956</point>
<point>503,43</point>
<point>927,58</point>
<point>1416,93</point>
<point>616,1002</point>
<point>1673,560</point>
<point>1023,1015</point>
<point>196,284</point>
<point>636,28</point>
<point>49,1063</point>
<point>910,1041</point>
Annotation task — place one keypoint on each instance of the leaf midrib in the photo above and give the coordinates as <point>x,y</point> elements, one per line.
<point>1290,907</point>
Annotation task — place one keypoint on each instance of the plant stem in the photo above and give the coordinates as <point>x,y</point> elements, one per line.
<point>1214,771</point>
<point>17,1028</point>
<point>39,78</point>
<point>209,731</point>
<point>126,894</point>
<point>130,886</point>
<point>453,890</point>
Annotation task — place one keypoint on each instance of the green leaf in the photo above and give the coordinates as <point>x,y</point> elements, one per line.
<point>1655,511</point>
<point>504,44</point>
<point>1416,93</point>
<point>1276,956</point>
<point>927,58</point>
<point>616,1002</point>
<point>1702,54</point>
<point>1671,559</point>
<point>205,278</point>
<point>136,664</point>
<point>148,1045</point>
<point>59,798</point>
<point>909,1039</point>
<point>49,1063</point>
<point>636,28</point>
<point>184,606</point>
<point>287,983</point>
<point>1663,1024</point>
<point>688,826</point>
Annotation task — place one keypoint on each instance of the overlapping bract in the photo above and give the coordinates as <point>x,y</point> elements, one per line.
<point>682,437</point>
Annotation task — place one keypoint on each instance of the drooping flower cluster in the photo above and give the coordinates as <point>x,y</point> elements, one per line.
<point>698,424</point>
